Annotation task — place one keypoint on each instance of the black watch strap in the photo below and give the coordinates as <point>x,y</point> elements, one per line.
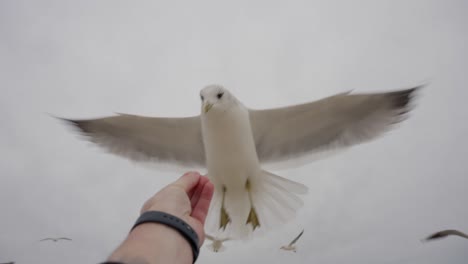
<point>178,224</point>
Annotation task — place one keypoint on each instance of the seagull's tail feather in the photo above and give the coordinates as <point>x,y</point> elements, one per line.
<point>289,185</point>
<point>276,199</point>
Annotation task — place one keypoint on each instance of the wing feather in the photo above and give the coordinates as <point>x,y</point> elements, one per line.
<point>445,233</point>
<point>334,122</point>
<point>139,138</point>
<point>297,238</point>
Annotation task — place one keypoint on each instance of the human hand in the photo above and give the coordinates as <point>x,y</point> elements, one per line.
<point>187,198</point>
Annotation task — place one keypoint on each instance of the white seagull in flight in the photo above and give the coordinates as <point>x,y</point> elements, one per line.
<point>55,239</point>
<point>233,141</point>
<point>292,245</point>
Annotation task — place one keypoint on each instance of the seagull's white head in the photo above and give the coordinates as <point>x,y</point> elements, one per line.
<point>216,98</point>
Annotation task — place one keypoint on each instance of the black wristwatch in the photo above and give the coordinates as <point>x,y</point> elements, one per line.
<point>172,221</point>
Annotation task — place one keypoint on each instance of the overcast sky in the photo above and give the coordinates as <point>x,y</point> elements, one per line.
<point>370,204</point>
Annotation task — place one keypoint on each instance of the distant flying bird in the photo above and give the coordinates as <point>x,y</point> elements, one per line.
<point>217,245</point>
<point>233,142</point>
<point>292,245</point>
<point>55,239</point>
<point>445,233</point>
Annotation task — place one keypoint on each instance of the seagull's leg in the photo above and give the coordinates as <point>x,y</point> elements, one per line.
<point>216,246</point>
<point>252,218</point>
<point>225,219</point>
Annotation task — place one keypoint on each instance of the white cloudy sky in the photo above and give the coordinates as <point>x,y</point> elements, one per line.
<point>370,204</point>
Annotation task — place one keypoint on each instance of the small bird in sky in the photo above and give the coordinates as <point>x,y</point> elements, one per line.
<point>445,233</point>
<point>55,239</point>
<point>233,141</point>
<point>217,245</point>
<point>292,245</point>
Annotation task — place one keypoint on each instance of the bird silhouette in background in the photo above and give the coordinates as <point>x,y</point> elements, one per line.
<point>292,245</point>
<point>445,233</point>
<point>217,245</point>
<point>55,239</point>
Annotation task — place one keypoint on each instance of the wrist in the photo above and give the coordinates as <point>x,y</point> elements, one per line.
<point>150,243</point>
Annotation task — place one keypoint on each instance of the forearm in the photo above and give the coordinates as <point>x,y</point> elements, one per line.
<point>153,243</point>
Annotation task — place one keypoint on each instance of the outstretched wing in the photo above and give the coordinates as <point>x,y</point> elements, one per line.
<point>297,238</point>
<point>174,140</point>
<point>334,122</point>
<point>445,233</point>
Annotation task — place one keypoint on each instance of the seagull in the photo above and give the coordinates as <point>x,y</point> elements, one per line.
<point>233,142</point>
<point>217,245</point>
<point>55,239</point>
<point>292,245</point>
<point>445,233</point>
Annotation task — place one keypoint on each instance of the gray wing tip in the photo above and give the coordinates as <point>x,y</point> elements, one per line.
<point>80,125</point>
<point>296,238</point>
<point>434,236</point>
<point>302,232</point>
<point>402,99</point>
<point>441,234</point>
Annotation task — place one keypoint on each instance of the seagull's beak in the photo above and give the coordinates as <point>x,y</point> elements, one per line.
<point>207,107</point>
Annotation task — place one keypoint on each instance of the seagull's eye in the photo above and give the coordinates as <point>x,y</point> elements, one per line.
<point>220,95</point>
<point>202,98</point>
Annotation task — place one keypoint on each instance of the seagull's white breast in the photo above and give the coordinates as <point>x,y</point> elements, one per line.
<point>229,146</point>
